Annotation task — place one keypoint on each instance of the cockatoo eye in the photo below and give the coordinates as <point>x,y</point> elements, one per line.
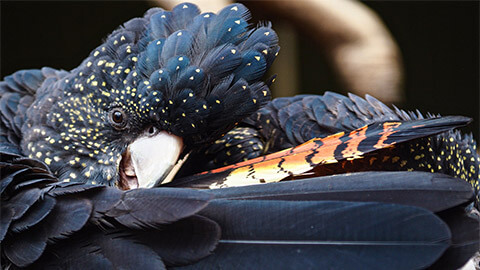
<point>118,118</point>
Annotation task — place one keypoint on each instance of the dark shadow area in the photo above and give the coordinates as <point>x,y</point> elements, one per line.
<point>58,34</point>
<point>439,41</point>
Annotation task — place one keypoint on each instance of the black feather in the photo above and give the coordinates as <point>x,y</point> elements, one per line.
<point>320,235</point>
<point>465,228</point>
<point>108,250</point>
<point>35,214</point>
<point>140,208</point>
<point>24,248</point>
<point>435,192</point>
<point>24,200</point>
<point>5,220</point>
<point>183,242</point>
<point>58,225</point>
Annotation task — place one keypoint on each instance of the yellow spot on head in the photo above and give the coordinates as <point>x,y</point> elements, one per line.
<point>48,161</point>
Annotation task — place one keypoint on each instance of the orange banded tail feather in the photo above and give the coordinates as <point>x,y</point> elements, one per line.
<point>303,158</point>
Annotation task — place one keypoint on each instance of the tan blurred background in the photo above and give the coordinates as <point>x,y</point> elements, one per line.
<point>351,37</point>
<point>413,54</point>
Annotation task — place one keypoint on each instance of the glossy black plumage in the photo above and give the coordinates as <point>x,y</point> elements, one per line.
<point>48,217</point>
<point>254,238</point>
<point>256,221</point>
<point>444,195</point>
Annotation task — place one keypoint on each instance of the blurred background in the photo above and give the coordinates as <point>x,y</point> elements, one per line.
<point>414,54</point>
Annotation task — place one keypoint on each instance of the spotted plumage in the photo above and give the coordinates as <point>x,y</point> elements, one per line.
<point>364,143</point>
<point>287,122</point>
<point>190,74</point>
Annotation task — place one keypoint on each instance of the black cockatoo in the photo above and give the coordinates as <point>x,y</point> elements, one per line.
<point>100,164</point>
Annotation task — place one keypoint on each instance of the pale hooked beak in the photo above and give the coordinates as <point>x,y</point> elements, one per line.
<point>150,160</point>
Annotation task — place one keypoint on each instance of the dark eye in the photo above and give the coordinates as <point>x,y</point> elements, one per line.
<point>152,130</point>
<point>118,118</point>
